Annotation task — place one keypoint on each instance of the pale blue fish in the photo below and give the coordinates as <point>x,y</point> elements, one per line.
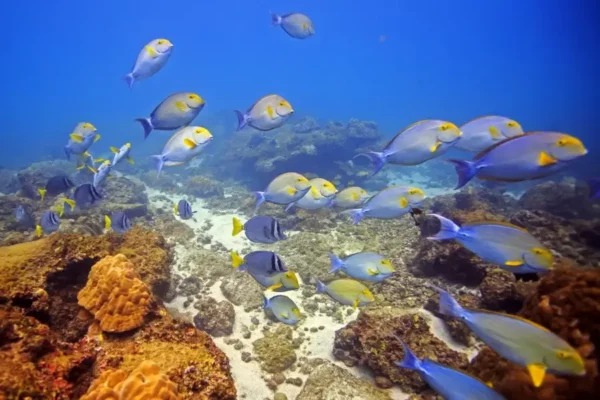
<point>371,267</point>
<point>24,217</point>
<point>278,282</point>
<point>81,139</point>
<point>517,339</point>
<point>150,60</point>
<point>349,197</point>
<point>392,202</point>
<point>450,383</point>
<point>297,25</point>
<point>182,147</point>
<point>101,173</point>
<point>509,246</point>
<point>49,223</point>
<point>268,113</point>
<point>520,158</point>
<point>284,309</point>
<point>347,291</point>
<point>416,144</point>
<point>87,160</point>
<point>483,132</point>
<point>319,195</point>
<point>284,189</point>
<point>174,112</point>
<point>122,154</point>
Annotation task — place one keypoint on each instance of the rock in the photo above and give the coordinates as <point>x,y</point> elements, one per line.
<point>242,290</point>
<point>383,382</point>
<point>306,125</point>
<point>279,378</point>
<point>36,176</point>
<point>8,181</point>
<point>275,350</point>
<point>500,291</point>
<point>294,381</point>
<point>331,382</point>
<point>280,396</point>
<point>215,318</point>
<point>565,199</point>
<point>201,186</point>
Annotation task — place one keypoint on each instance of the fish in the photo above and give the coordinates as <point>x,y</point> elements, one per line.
<point>260,262</point>
<point>347,291</point>
<point>150,60</point>
<point>319,195</point>
<point>349,197</point>
<point>184,209</point>
<point>86,196</point>
<point>269,112</point>
<point>284,309</point>
<point>297,25</point>
<point>483,132</point>
<point>509,246</point>
<point>122,154</point>
<point>594,186</point>
<point>80,142</point>
<point>416,144</point>
<point>278,282</point>
<point>87,160</point>
<point>517,339</point>
<point>392,202</point>
<point>371,267</point>
<point>530,156</point>
<point>284,189</point>
<point>118,221</point>
<point>56,185</point>
<point>182,147</point>
<point>49,223</point>
<point>101,173</point>
<point>450,383</point>
<point>66,207</point>
<point>24,217</point>
<point>174,112</point>
<point>260,229</point>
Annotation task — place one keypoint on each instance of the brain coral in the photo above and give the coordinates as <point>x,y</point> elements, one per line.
<point>145,382</point>
<point>115,295</point>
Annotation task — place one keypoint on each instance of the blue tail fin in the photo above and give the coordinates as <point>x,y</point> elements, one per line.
<point>321,288</point>
<point>159,162</point>
<point>146,124</point>
<point>448,305</point>
<point>356,214</point>
<point>594,185</point>
<point>68,152</point>
<point>377,159</point>
<point>129,79</point>
<point>260,199</point>
<point>409,361</point>
<point>290,207</point>
<point>448,229</point>
<point>336,263</point>
<point>242,119</point>
<point>466,170</point>
<point>266,303</point>
<point>275,19</point>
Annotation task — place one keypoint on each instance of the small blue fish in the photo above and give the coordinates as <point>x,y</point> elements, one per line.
<point>174,112</point>
<point>594,185</point>
<point>509,246</point>
<point>86,196</point>
<point>49,223</point>
<point>24,217</point>
<point>371,267</point>
<point>261,262</point>
<point>392,202</point>
<point>260,229</point>
<point>450,383</point>
<point>183,209</point>
<point>56,185</point>
<point>150,60</point>
<point>101,173</point>
<point>122,154</point>
<point>284,309</point>
<point>80,143</point>
<point>118,222</point>
<point>520,158</point>
<point>517,339</point>
<point>297,25</point>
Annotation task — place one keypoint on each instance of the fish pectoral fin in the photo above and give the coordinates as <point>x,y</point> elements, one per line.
<point>175,208</point>
<point>546,159</point>
<point>494,132</point>
<point>355,304</point>
<point>181,106</point>
<point>151,52</point>
<point>99,160</point>
<point>97,138</point>
<point>114,149</point>
<point>292,191</point>
<point>130,160</point>
<point>515,263</point>
<point>76,137</point>
<point>285,315</point>
<point>373,272</point>
<point>355,196</point>
<point>435,147</point>
<point>80,167</point>
<point>94,170</point>
<point>537,373</point>
<point>403,202</point>
<point>270,112</point>
<point>275,286</point>
<point>189,143</point>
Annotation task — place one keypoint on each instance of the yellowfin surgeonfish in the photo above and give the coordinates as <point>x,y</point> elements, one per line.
<point>483,132</point>
<point>392,202</point>
<point>183,146</point>
<point>319,195</point>
<point>268,113</point>
<point>81,138</point>
<point>347,291</point>
<point>349,197</point>
<point>176,111</point>
<point>297,25</point>
<point>518,340</point>
<point>122,153</point>
<point>284,309</point>
<point>284,189</point>
<point>151,59</point>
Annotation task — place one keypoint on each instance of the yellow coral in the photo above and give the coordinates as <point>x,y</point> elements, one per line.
<point>115,295</point>
<point>144,383</point>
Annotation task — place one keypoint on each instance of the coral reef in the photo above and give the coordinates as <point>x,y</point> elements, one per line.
<point>214,318</point>
<point>8,181</point>
<point>275,349</point>
<point>36,175</point>
<point>202,186</point>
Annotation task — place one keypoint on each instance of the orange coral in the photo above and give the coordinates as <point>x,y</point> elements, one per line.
<point>145,382</point>
<point>115,295</point>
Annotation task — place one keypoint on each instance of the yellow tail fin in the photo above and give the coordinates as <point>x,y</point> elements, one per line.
<point>175,208</point>
<point>61,210</point>
<point>38,230</point>
<point>71,203</point>
<point>96,138</point>
<point>236,259</point>
<point>107,222</point>
<point>42,193</point>
<point>237,226</point>
<point>130,160</point>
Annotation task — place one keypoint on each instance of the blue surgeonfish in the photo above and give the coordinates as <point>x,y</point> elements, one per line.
<point>297,25</point>
<point>174,112</point>
<point>49,223</point>
<point>517,339</point>
<point>349,197</point>
<point>24,217</point>
<point>284,189</point>
<point>86,196</point>
<point>284,309</point>
<point>260,229</point>
<point>416,144</point>
<point>150,60</point>
<point>260,261</point>
<point>347,291</point>
<point>594,186</point>
<point>121,154</point>
<point>392,202</point>
<point>183,209</point>
<point>268,113</point>
<point>278,282</point>
<point>483,132</point>
<point>520,158</point>
<point>450,383</point>
<point>371,267</point>
<point>118,222</point>
<point>182,147</point>
<point>509,246</point>
<point>56,185</point>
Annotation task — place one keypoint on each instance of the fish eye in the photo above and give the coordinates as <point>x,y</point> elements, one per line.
<point>562,142</point>
<point>161,41</point>
<point>191,97</point>
<point>512,124</point>
<point>562,355</point>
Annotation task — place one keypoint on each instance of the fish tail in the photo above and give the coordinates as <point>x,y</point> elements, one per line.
<point>594,186</point>
<point>448,229</point>
<point>260,199</point>
<point>266,302</point>
<point>466,170</point>
<point>146,124</point>
<point>159,163</point>
<point>448,305</point>
<point>237,226</point>
<point>410,360</point>
<point>107,222</point>
<point>38,230</point>
<point>242,119</point>
<point>236,260</point>
<point>275,19</point>
<point>321,288</point>
<point>377,159</point>
<point>129,79</point>
<point>42,193</point>
<point>356,214</point>
<point>290,207</point>
<point>336,263</point>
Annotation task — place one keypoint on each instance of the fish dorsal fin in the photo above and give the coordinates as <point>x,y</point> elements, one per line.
<point>525,320</point>
<point>506,224</point>
<point>492,147</point>
<point>404,130</point>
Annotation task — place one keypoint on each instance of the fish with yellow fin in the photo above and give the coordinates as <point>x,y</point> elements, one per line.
<point>176,111</point>
<point>81,139</point>
<point>347,291</point>
<point>284,309</point>
<point>182,147</point>
<point>391,202</point>
<point>483,132</point>
<point>150,60</point>
<point>122,154</point>
<point>284,189</point>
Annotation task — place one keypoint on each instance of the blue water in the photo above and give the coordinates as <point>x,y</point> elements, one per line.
<point>535,61</point>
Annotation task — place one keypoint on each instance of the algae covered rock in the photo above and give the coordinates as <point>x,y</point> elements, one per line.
<point>202,186</point>
<point>275,350</point>
<point>242,290</point>
<point>215,318</point>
